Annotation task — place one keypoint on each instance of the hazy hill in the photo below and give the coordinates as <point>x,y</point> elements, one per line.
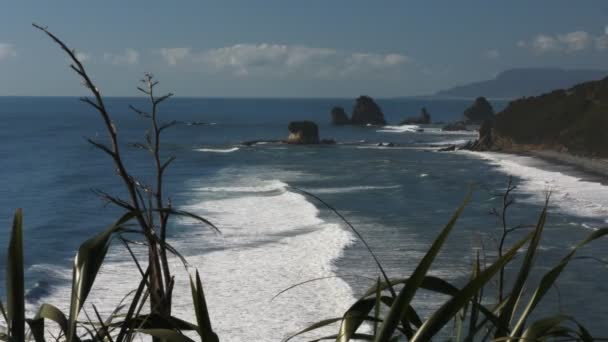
<point>516,83</point>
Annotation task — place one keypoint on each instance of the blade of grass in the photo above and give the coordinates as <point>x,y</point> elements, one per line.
<point>15,287</point>
<point>48,311</point>
<point>3,312</point>
<point>201,310</point>
<point>402,302</point>
<point>369,249</point>
<point>549,279</point>
<point>166,335</point>
<point>87,263</point>
<point>354,317</point>
<point>430,283</point>
<point>509,309</point>
<point>377,306</point>
<point>447,311</point>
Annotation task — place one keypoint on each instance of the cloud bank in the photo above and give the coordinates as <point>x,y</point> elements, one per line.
<point>7,50</point>
<point>575,41</point>
<point>127,57</point>
<point>280,60</point>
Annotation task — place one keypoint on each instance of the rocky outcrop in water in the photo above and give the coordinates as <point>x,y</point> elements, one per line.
<point>303,132</point>
<point>573,120</point>
<point>480,111</point>
<point>423,119</point>
<point>455,126</point>
<point>367,112</point>
<point>339,117</point>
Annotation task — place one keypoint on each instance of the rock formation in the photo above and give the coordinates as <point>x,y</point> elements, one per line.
<point>303,132</point>
<point>339,117</point>
<point>480,111</point>
<point>573,120</point>
<point>366,111</point>
<point>455,126</point>
<point>423,119</point>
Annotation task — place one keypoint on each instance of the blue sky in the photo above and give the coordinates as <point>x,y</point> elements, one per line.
<point>313,48</point>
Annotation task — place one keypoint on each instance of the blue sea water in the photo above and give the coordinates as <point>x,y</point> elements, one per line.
<point>272,236</point>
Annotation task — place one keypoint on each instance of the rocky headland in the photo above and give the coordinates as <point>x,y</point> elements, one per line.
<point>573,120</point>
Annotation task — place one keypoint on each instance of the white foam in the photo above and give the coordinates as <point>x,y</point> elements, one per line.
<point>399,129</point>
<point>261,186</point>
<point>218,150</point>
<point>268,243</point>
<point>570,194</point>
<point>449,142</point>
<point>347,189</point>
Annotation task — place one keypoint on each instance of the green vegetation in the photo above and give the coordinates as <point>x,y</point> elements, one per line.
<point>574,120</point>
<point>385,312</point>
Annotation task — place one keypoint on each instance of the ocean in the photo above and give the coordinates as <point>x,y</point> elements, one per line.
<point>273,237</point>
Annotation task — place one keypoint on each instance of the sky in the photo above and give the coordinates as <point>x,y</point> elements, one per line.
<point>284,48</point>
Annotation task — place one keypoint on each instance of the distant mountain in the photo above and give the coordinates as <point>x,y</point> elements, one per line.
<point>516,83</point>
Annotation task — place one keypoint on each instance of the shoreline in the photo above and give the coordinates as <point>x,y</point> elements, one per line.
<point>597,167</point>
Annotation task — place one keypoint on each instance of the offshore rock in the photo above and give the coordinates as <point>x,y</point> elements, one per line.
<point>303,132</point>
<point>455,126</point>
<point>339,117</point>
<point>423,119</point>
<point>367,112</point>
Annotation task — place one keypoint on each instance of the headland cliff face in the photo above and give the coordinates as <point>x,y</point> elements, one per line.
<point>573,120</point>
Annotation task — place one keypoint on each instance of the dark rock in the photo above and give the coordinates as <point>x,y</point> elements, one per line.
<point>385,144</point>
<point>455,126</point>
<point>339,117</point>
<point>366,111</point>
<point>303,132</point>
<point>447,148</point>
<point>480,111</point>
<point>423,119</point>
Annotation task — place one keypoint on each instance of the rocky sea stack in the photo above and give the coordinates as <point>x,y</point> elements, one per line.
<point>480,111</point>
<point>367,112</point>
<point>339,117</point>
<point>573,120</point>
<point>423,119</point>
<point>303,132</point>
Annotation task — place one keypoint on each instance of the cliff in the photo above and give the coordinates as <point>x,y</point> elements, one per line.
<point>573,120</point>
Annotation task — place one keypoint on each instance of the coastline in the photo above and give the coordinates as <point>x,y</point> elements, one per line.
<point>587,165</point>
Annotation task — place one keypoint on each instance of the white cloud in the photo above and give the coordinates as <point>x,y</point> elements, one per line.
<point>544,43</point>
<point>601,43</point>
<point>278,59</point>
<point>568,42</point>
<point>82,57</point>
<point>174,55</point>
<point>491,54</point>
<point>128,57</point>
<point>575,41</point>
<point>7,50</point>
